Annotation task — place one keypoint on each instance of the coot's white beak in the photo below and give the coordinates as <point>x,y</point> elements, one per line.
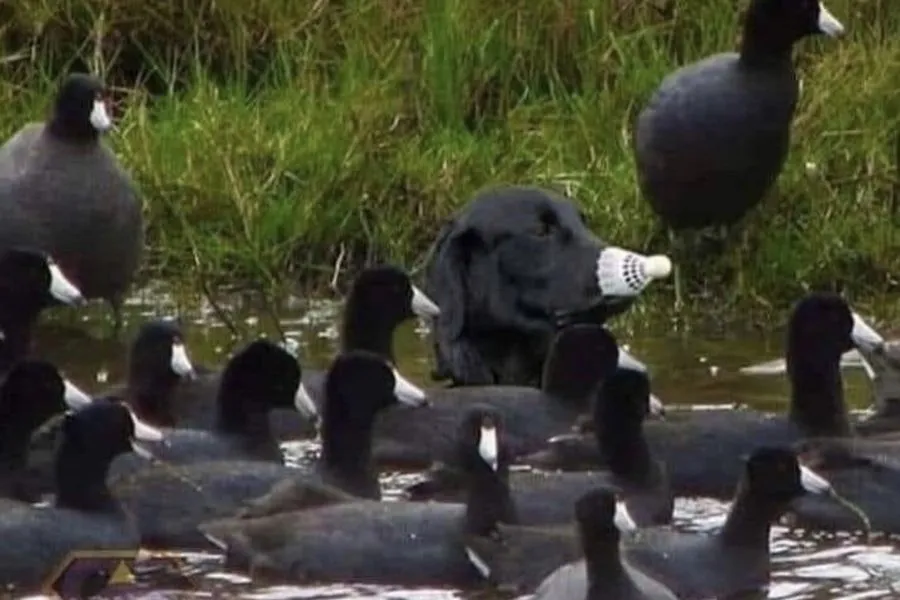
<point>487,446</point>
<point>814,483</point>
<point>407,392</point>
<point>478,562</point>
<point>304,404</point>
<point>143,432</point>
<point>100,119</point>
<point>828,24</point>
<point>180,363</point>
<point>74,397</point>
<point>61,288</point>
<point>657,408</point>
<point>622,518</point>
<point>864,335</point>
<point>627,361</point>
<point>422,305</point>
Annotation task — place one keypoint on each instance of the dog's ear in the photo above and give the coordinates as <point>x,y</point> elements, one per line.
<point>447,283</point>
<point>447,274</point>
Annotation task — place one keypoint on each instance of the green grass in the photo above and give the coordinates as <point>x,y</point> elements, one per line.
<point>270,136</point>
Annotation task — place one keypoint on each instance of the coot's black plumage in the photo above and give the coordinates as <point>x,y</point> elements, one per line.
<point>581,356</point>
<point>30,281</point>
<point>64,192</point>
<point>31,392</point>
<point>714,136</point>
<point>158,362</point>
<point>695,566</point>
<point>170,501</point>
<point>399,543</point>
<point>704,450</point>
<point>380,300</point>
<point>543,498</point>
<point>84,514</point>
<point>259,378</point>
<point>609,577</point>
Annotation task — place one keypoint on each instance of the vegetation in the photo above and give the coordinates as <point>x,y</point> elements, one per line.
<point>271,136</point>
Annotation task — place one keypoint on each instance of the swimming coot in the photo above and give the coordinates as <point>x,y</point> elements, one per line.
<point>31,392</point>
<point>609,577</point>
<point>380,300</point>
<point>734,559</point>
<point>696,566</point>
<point>714,136</point>
<point>64,192</point>
<point>620,406</point>
<point>881,363</point>
<point>157,362</point>
<point>581,356</point>
<point>170,501</point>
<point>84,514</point>
<point>704,450</point>
<point>393,543</point>
<point>262,376</point>
<point>30,281</point>
<point>865,472</point>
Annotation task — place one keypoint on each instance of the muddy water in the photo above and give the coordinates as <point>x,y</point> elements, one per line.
<point>697,369</point>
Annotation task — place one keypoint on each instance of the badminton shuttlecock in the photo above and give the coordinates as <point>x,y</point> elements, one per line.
<point>622,272</point>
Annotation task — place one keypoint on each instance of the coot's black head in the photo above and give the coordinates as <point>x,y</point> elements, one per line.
<point>103,430</point>
<point>580,357</point>
<point>601,518</point>
<point>823,325</point>
<point>624,399</point>
<point>388,292</point>
<point>360,383</point>
<point>158,351</point>
<point>31,280</point>
<point>777,24</point>
<point>775,474</point>
<point>32,392</point>
<point>479,441</point>
<point>262,376</point>
<point>81,111</point>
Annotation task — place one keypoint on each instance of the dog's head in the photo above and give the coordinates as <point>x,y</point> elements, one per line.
<point>515,259</point>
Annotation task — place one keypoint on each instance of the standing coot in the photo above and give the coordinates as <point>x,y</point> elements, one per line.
<point>65,192</point>
<point>714,136</point>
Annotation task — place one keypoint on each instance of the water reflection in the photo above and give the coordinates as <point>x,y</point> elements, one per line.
<point>695,369</point>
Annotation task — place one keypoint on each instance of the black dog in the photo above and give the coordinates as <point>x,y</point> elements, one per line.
<point>505,269</point>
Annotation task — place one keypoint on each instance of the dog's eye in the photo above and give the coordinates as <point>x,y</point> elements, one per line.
<point>543,229</point>
<point>546,225</point>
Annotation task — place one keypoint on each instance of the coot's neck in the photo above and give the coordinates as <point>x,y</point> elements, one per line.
<point>817,395</point>
<point>573,386</point>
<point>750,519</point>
<point>17,331</point>
<point>602,562</point>
<point>81,480</point>
<point>502,356</point>
<point>761,51</point>
<point>238,414</point>
<point>890,408</point>
<point>73,131</point>
<point>14,440</point>
<point>625,451</point>
<point>488,500</point>
<point>151,394</point>
<point>364,329</point>
<point>347,443</point>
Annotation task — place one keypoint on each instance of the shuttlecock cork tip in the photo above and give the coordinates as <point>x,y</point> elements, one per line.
<point>658,267</point>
